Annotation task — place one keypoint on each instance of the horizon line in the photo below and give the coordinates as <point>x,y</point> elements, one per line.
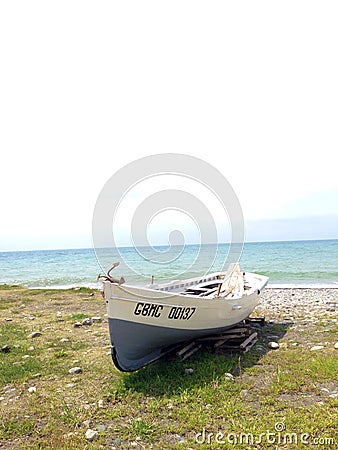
<point>167,245</point>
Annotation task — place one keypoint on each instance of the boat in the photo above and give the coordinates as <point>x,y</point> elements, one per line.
<point>147,322</point>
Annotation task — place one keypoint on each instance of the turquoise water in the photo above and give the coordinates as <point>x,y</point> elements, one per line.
<point>296,262</point>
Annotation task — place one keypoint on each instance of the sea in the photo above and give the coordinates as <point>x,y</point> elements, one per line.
<point>288,263</point>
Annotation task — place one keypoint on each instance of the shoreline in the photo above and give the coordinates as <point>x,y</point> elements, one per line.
<point>302,286</point>
<point>97,286</point>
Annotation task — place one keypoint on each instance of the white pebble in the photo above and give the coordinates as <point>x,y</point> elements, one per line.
<point>229,376</point>
<point>96,319</point>
<point>32,389</point>
<point>316,347</point>
<point>87,423</point>
<point>87,321</point>
<point>75,370</point>
<point>273,345</point>
<point>91,434</point>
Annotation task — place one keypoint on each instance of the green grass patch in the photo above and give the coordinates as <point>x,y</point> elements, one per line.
<point>14,365</point>
<point>157,380</point>
<point>78,316</point>
<point>12,427</point>
<point>9,287</point>
<point>9,371</point>
<point>299,371</point>
<point>144,429</point>
<point>323,367</point>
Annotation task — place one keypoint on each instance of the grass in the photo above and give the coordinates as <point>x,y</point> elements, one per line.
<point>159,406</point>
<point>77,316</point>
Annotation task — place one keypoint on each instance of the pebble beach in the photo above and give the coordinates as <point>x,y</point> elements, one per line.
<point>299,303</point>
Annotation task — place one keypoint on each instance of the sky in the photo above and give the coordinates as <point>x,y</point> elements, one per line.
<point>87,87</point>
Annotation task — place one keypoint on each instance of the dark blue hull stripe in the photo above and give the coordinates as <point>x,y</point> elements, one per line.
<point>135,345</point>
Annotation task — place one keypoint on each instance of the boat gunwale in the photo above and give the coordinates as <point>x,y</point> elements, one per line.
<point>165,293</point>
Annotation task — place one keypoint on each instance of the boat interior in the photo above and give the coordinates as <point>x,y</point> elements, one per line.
<point>219,284</point>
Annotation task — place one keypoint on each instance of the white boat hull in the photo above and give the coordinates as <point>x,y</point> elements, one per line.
<point>144,323</point>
